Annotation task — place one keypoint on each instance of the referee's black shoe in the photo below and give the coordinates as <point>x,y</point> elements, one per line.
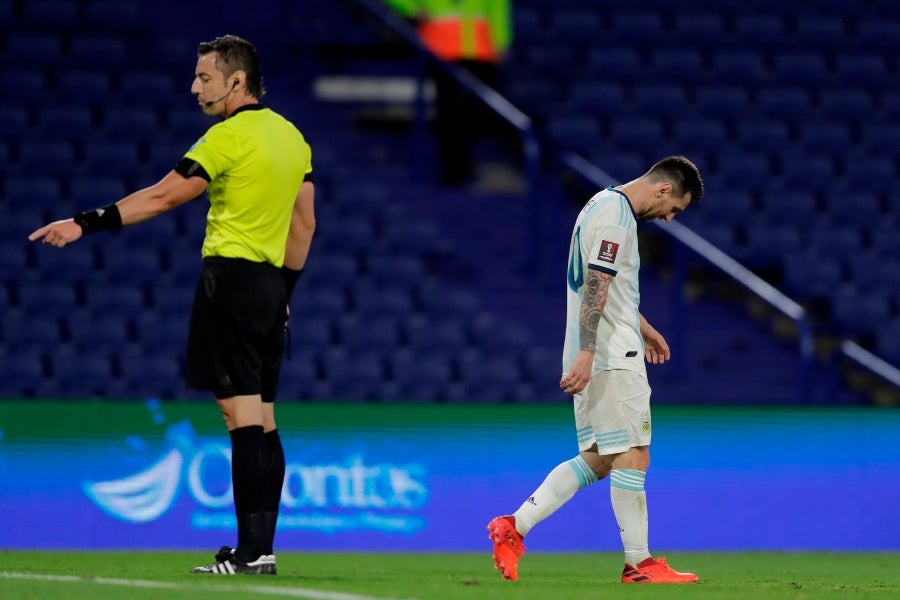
<point>227,564</point>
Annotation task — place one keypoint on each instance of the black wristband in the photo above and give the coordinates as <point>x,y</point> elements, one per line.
<point>99,219</point>
<point>290,277</point>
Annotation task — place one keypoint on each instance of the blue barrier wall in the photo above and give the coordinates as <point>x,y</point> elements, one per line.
<point>429,477</point>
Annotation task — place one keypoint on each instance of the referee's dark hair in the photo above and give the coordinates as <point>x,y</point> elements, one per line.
<point>236,54</point>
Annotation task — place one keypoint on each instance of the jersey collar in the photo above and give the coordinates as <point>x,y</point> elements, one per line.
<point>620,192</point>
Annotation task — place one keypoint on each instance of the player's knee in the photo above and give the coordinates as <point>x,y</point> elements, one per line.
<point>600,464</point>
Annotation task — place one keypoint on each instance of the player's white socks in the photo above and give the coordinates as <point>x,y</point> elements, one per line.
<point>558,488</point>
<point>629,502</point>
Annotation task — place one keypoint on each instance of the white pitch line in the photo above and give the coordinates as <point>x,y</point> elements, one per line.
<point>291,592</point>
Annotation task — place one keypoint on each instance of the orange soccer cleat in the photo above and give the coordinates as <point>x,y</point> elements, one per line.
<point>655,570</point>
<point>508,546</point>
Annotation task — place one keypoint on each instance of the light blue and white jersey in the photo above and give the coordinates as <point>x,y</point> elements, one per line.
<point>605,239</point>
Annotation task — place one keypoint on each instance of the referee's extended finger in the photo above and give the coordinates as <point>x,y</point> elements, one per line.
<point>39,233</point>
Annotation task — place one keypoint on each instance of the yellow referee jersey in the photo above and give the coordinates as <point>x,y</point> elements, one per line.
<point>256,160</point>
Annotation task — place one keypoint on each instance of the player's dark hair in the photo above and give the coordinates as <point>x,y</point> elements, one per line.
<point>681,173</point>
<point>234,53</point>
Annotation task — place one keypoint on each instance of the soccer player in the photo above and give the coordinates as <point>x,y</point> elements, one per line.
<point>607,340</point>
<point>256,168</point>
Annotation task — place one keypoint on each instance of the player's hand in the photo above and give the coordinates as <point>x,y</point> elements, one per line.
<point>58,233</point>
<point>580,373</point>
<point>656,350</point>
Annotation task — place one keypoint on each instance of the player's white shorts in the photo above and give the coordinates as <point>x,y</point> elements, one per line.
<point>613,411</point>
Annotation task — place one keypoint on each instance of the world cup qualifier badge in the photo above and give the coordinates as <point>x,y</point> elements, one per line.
<point>608,251</point>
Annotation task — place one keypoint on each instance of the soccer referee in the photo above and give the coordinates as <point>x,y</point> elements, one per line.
<point>256,167</point>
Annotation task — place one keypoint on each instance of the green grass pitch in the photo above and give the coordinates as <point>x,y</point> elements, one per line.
<point>32,575</point>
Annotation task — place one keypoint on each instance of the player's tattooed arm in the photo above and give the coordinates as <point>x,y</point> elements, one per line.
<point>596,287</point>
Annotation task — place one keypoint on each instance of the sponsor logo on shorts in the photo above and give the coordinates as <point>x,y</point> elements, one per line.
<point>645,423</point>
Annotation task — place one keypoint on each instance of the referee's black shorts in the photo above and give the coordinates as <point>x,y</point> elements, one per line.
<point>236,335</point>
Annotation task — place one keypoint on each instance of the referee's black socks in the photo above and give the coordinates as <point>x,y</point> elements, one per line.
<point>249,478</point>
<point>276,469</point>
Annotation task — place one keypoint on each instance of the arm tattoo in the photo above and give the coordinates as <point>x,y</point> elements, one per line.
<point>592,304</point>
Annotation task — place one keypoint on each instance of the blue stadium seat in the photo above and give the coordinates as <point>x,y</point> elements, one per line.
<point>878,32</point>
<point>141,265</point>
<point>791,205</point>
<point>762,135</point>
<point>886,241</point>
<point>30,84</point>
<point>867,69</point>
<point>576,25</point>
<point>810,277</point>
<point>800,67</point>
<point>147,88</point>
<point>374,303</point>
<point>887,344</point>
<point>833,136</point>
<point>113,15</point>
<point>753,166</point>
<point>66,121</point>
<point>821,32</point>
<point>684,63</point>
<point>738,67</point>
<point>334,272</point>
<point>768,243</point>
<point>172,299</point>
<point>700,134</point>
<point>145,375</point>
<point>98,334</point>
<point>663,99</point>
<point>130,122</point>
<point>78,375</point>
<point>32,49</point>
<point>311,332</point>
<point>13,121</point>
<point>637,133</point>
<point>875,137</point>
<point>354,377</point>
<point>439,335</point>
<point>298,380</point>
<point>722,101</point>
<point>784,102</point>
<point>97,50</point>
<point>573,132</point>
<point>861,210</point>
<point>815,171</point>
<point>860,313</point>
<point>443,302</point>
<point>834,240</point>
<point>318,303</point>
<point>30,190</point>
<point>73,264</point>
<point>54,156</point>
<point>107,158</point>
<point>615,63</point>
<point>160,334</point>
<point>624,23</point>
<point>597,98</point>
<point>545,61</point>
<point>56,14</point>
<point>104,299</point>
<point>847,105</point>
<point>361,334</point>
<point>761,30</point>
<point>705,29</point>
<point>21,372</point>
<point>30,334</point>
<point>95,190</point>
<point>88,86</point>
<point>869,172</point>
